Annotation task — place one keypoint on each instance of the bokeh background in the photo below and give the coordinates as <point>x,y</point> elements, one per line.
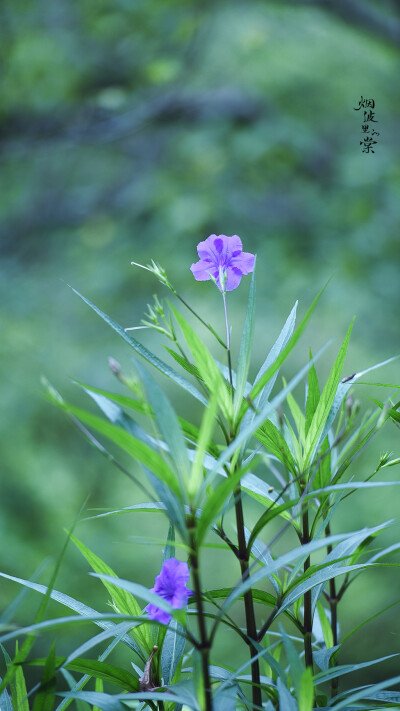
<point>132,130</point>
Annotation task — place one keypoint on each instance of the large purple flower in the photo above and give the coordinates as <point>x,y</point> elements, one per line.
<point>224,259</point>
<point>171,585</point>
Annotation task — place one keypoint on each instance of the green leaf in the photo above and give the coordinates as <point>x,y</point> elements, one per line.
<point>169,428</point>
<point>298,417</point>
<point>259,596</point>
<point>5,700</point>
<point>259,385</point>
<point>29,641</point>
<point>216,501</point>
<point>105,702</point>
<point>275,443</point>
<point>343,669</point>
<point>172,650</point>
<point>246,432</point>
<point>124,602</point>
<point>196,487</point>
<point>141,592</point>
<point>366,692</point>
<point>344,387</point>
<point>81,683</point>
<point>144,352</point>
<point>313,396</point>
<point>276,349</point>
<point>99,669</point>
<point>122,400</point>
<point>44,698</point>
<point>245,348</point>
<point>300,552</point>
<point>306,691</point>
<point>208,369</point>
<point>325,403</point>
<point>130,444</point>
<point>296,665</point>
<point>83,610</point>
<point>189,367</point>
<point>18,688</point>
<point>321,576</point>
<point>286,700</point>
<point>325,625</point>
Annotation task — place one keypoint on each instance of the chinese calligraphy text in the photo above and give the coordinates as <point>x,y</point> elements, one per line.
<point>367,130</point>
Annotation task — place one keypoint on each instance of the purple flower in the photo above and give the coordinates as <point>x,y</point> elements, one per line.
<point>171,585</point>
<point>224,259</point>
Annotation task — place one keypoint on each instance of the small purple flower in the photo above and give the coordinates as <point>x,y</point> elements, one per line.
<point>171,585</point>
<point>224,259</point>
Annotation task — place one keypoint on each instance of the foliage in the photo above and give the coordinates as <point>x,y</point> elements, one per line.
<point>256,443</point>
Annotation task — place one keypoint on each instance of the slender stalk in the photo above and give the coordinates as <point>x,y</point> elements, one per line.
<point>251,628</point>
<point>333,603</point>
<point>204,646</point>
<point>207,325</point>
<point>228,341</point>
<point>308,654</point>
<point>243,554</point>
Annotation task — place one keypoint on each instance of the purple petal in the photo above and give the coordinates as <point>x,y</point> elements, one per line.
<point>207,249</point>
<point>200,270</point>
<point>155,613</point>
<point>233,278</point>
<point>244,262</point>
<point>218,244</point>
<point>233,245</point>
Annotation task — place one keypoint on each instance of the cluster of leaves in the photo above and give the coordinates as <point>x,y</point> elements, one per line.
<point>293,465</point>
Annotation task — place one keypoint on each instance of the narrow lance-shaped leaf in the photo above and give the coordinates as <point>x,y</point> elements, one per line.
<point>259,419</point>
<point>209,370</point>
<point>144,352</point>
<point>99,669</point>
<point>325,403</point>
<point>123,601</point>
<point>297,553</point>
<point>196,487</point>
<point>169,427</point>
<point>245,347</point>
<point>76,605</point>
<point>258,386</point>
<point>141,592</point>
<point>343,387</point>
<point>306,691</point>
<point>313,396</point>
<point>130,444</point>
<point>44,698</point>
<point>276,349</point>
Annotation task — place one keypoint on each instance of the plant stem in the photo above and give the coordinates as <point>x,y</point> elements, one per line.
<point>207,325</point>
<point>228,341</point>
<point>333,602</point>
<point>251,627</point>
<point>204,646</point>
<point>308,654</point>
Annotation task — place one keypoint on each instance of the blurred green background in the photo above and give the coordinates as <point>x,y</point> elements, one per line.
<point>132,130</point>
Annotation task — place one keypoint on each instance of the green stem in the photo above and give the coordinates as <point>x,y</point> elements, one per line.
<point>333,602</point>
<point>204,646</point>
<point>228,341</point>
<point>251,627</point>
<point>207,325</point>
<point>308,654</point>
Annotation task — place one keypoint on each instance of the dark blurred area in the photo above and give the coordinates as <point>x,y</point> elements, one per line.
<point>132,130</point>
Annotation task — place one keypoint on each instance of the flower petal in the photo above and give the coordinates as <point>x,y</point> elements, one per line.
<point>208,250</point>
<point>244,262</point>
<point>155,613</point>
<point>200,270</point>
<point>231,245</point>
<point>233,278</point>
